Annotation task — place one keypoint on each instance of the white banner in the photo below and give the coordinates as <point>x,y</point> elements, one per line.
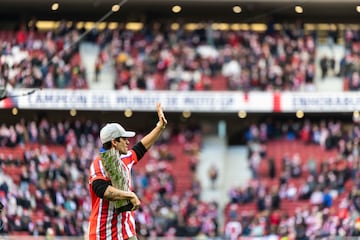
<point>320,102</point>
<point>211,101</point>
<point>176,101</point>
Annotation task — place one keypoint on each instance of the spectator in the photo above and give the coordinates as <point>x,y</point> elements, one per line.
<point>213,175</point>
<point>233,230</point>
<point>272,168</point>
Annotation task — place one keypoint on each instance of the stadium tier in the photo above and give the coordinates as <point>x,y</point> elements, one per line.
<point>261,99</point>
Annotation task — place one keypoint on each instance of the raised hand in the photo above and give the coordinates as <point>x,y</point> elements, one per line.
<point>162,120</point>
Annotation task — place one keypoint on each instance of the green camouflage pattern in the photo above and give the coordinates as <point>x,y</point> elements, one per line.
<point>111,161</point>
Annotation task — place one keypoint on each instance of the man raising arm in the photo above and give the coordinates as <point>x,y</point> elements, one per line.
<point>106,220</point>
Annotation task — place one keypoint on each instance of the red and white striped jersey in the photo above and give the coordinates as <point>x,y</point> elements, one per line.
<point>104,222</point>
<point>233,230</point>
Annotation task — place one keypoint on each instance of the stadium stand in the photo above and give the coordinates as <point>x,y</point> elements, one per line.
<point>305,176</point>
<point>299,176</point>
<point>44,177</point>
<point>285,59</point>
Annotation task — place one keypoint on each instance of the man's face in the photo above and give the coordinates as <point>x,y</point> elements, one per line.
<point>121,144</point>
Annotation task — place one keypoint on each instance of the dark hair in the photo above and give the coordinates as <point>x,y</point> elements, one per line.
<point>108,145</point>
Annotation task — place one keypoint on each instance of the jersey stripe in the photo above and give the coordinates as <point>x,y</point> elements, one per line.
<point>114,227</point>
<point>109,229</point>
<point>104,206</point>
<point>104,222</point>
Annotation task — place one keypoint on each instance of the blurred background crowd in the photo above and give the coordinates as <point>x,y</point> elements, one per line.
<point>304,173</point>
<point>162,58</point>
<point>304,180</point>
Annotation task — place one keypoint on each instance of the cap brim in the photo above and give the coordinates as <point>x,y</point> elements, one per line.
<point>128,134</point>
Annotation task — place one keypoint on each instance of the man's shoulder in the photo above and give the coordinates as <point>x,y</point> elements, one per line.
<point>129,157</point>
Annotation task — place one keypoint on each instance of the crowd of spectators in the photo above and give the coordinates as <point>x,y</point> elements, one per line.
<point>315,183</point>
<point>31,58</point>
<point>51,192</point>
<point>48,190</point>
<point>53,184</point>
<point>160,57</point>
<point>350,63</point>
<point>179,59</point>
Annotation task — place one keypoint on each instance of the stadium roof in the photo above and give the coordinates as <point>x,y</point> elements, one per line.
<point>217,10</point>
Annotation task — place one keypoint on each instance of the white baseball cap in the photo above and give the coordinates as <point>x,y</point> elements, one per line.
<point>113,130</point>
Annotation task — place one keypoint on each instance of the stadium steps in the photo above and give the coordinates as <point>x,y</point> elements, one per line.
<point>236,167</point>
<point>331,83</point>
<point>88,53</point>
<point>213,152</point>
<point>232,169</point>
